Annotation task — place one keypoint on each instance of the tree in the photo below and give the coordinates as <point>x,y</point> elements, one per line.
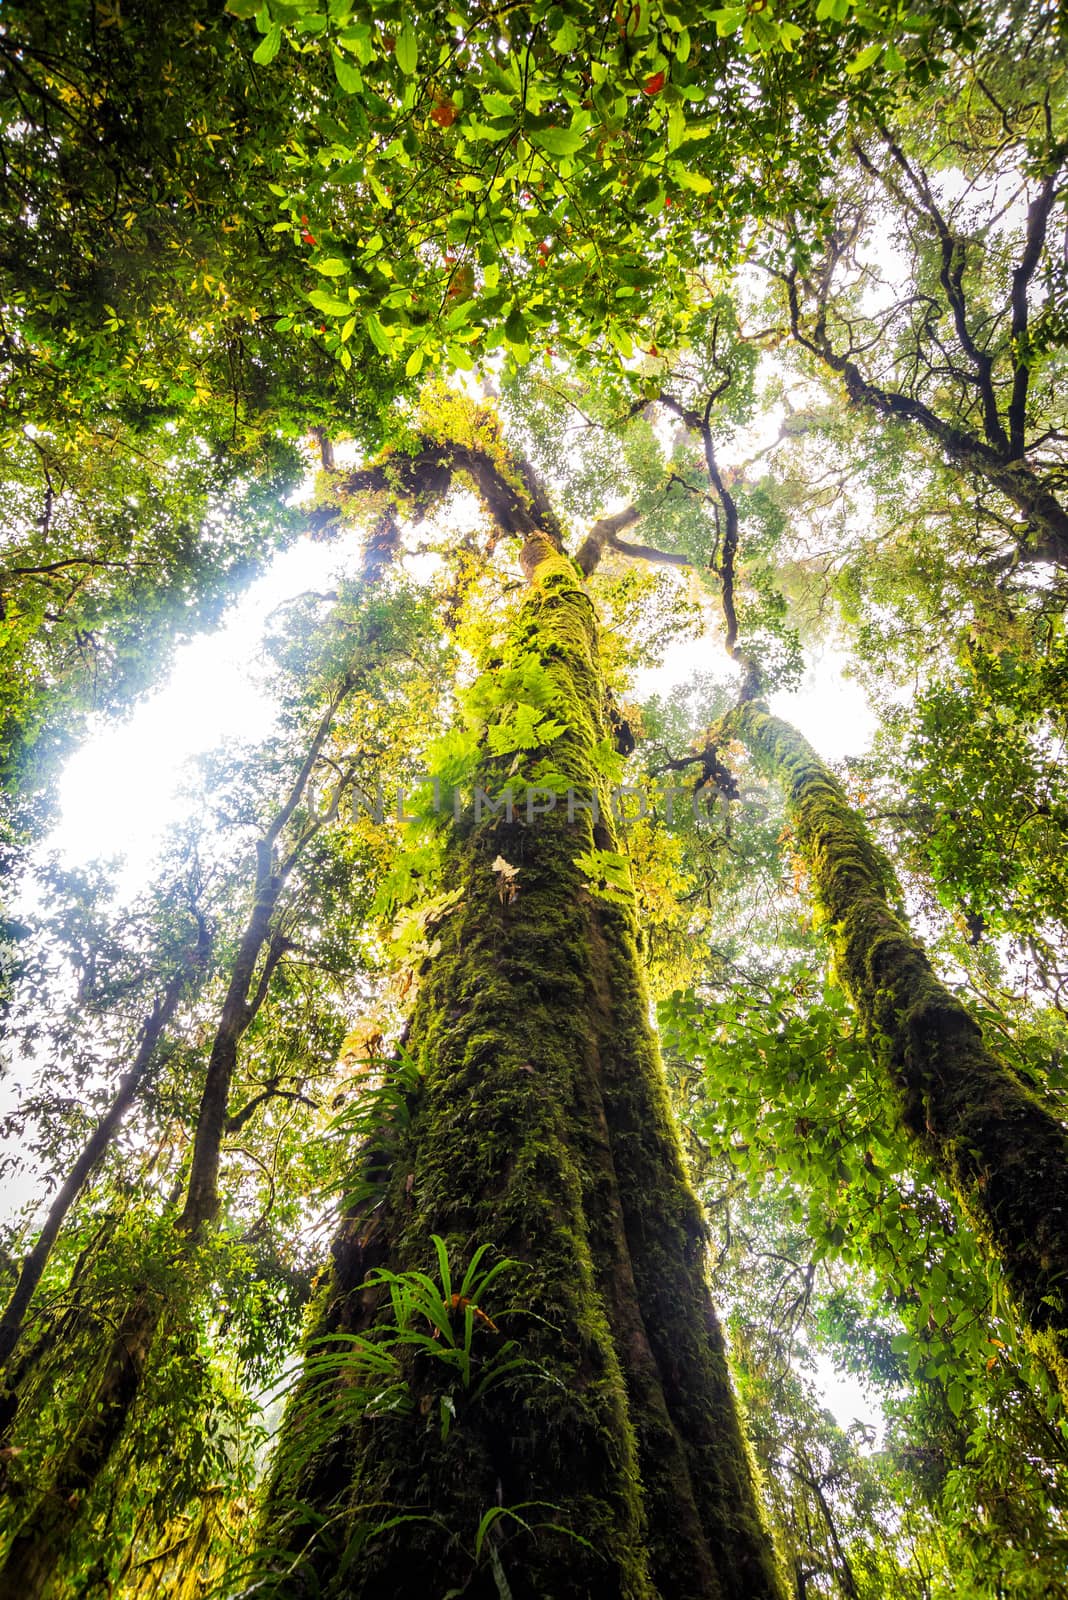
<point>966,345</point>
<point>573,1181</point>
<point>517,1280</point>
<point>168,1273</point>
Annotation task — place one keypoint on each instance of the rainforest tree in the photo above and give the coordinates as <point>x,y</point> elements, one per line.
<point>485,280</point>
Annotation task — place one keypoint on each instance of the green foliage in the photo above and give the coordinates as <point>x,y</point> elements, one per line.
<point>788,1098</point>
<point>226,231</point>
<point>984,761</point>
<point>429,1324</point>
<point>116,549</point>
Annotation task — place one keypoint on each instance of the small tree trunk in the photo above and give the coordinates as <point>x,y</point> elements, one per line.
<point>1004,1155</point>
<point>543,1129</point>
<point>93,1151</point>
<point>41,1542</point>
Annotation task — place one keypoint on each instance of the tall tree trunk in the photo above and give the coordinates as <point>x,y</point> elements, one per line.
<point>1003,1153</point>
<point>542,1129</point>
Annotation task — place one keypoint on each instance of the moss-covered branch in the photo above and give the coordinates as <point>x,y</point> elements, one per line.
<point>1003,1152</point>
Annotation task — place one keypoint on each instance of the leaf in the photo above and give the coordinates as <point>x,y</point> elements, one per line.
<point>498,105</point>
<point>688,179</point>
<point>378,335</point>
<point>442,1254</point>
<point>515,329</point>
<point>268,46</point>
<point>332,267</point>
<point>556,141</point>
<point>324,301</point>
<point>865,59</point>
<point>349,77</point>
<point>407,49</point>
<point>727,21</point>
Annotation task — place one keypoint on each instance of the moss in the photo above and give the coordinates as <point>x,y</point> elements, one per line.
<point>543,1128</point>
<point>1004,1155</point>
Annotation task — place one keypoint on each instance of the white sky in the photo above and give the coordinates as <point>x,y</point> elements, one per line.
<point>120,791</point>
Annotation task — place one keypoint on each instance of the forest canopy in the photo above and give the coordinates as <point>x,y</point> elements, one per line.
<point>602,1020</point>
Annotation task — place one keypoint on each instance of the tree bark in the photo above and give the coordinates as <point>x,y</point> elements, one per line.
<point>543,1129</point>
<point>42,1540</point>
<point>1004,1155</point>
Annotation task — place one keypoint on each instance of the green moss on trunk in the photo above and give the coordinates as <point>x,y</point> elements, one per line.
<point>542,1128</point>
<point>1004,1154</point>
<point>40,1544</point>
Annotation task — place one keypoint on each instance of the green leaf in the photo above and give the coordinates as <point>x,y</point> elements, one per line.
<point>324,301</point>
<point>407,48</point>
<point>556,141</point>
<point>688,179</point>
<point>268,47</point>
<point>566,38</point>
<point>498,105</point>
<point>729,20</point>
<point>865,59</point>
<point>348,76</point>
<point>332,267</point>
<point>515,328</point>
<point>379,337</point>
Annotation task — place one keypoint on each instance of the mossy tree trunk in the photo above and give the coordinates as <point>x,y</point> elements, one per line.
<point>1002,1152</point>
<point>542,1128</point>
